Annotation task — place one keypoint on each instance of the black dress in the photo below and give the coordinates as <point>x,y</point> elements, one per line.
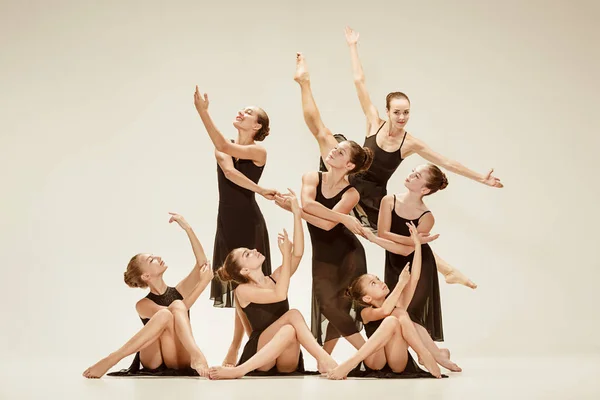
<point>240,223</point>
<point>136,368</point>
<point>372,184</point>
<point>412,370</point>
<point>338,258</point>
<point>425,307</point>
<point>260,317</point>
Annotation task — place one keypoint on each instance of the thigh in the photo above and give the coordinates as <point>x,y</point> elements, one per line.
<point>376,360</point>
<point>151,355</point>
<point>173,353</point>
<point>396,352</point>
<point>288,360</point>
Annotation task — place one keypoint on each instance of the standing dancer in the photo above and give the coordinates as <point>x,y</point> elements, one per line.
<point>240,222</point>
<point>166,341</point>
<point>338,256</point>
<point>276,331</point>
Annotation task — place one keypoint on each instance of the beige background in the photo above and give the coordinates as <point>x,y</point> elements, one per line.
<point>100,139</point>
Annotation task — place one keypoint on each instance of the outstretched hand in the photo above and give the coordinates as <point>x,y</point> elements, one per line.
<point>492,181</point>
<point>179,219</point>
<point>200,101</point>
<point>284,243</point>
<point>206,272</point>
<point>404,275</point>
<point>414,234</point>
<point>288,201</point>
<point>351,36</point>
<point>269,194</point>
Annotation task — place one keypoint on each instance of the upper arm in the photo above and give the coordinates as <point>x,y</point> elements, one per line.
<point>224,160</point>
<point>310,180</point>
<point>426,223</point>
<point>326,142</point>
<point>369,314</point>
<point>421,148</point>
<point>384,220</point>
<point>146,308</point>
<point>348,201</point>
<point>253,152</point>
<point>249,294</point>
<point>367,105</point>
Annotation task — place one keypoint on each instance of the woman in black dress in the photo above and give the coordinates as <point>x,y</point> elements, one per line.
<point>276,331</point>
<point>391,144</point>
<point>388,326</point>
<point>166,340</point>
<point>397,211</point>
<point>240,222</point>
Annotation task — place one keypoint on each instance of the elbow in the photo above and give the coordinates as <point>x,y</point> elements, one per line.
<point>359,79</point>
<point>383,234</point>
<point>228,173</point>
<point>329,225</point>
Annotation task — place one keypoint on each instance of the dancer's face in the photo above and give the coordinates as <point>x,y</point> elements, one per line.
<point>339,156</point>
<point>399,112</point>
<point>152,266</point>
<point>246,119</point>
<point>417,180</point>
<point>249,260</point>
<point>373,289</point>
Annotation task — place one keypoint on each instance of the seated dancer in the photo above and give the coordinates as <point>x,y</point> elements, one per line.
<point>277,332</point>
<point>388,326</point>
<point>166,341</point>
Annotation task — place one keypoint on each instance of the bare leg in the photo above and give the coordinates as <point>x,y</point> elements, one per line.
<point>452,274</point>
<point>376,342</point>
<point>265,358</point>
<point>442,356</point>
<point>412,337</point>
<point>149,334</point>
<point>312,117</point>
<point>238,334</point>
<point>183,330</point>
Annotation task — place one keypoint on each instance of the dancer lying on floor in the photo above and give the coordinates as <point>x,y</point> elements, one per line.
<point>166,339</point>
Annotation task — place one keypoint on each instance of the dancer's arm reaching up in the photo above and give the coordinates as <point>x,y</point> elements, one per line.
<point>370,111</point>
<point>257,295</point>
<point>253,152</point>
<point>298,244</point>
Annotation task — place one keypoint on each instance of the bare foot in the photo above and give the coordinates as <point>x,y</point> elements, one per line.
<point>338,373</point>
<point>225,373</point>
<point>301,74</point>
<point>431,365</point>
<point>443,359</point>
<point>455,276</point>
<point>100,368</point>
<point>201,366</point>
<point>325,366</point>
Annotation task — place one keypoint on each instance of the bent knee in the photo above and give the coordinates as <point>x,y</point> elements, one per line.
<point>178,306</point>
<point>391,322</point>
<point>163,315</point>
<point>294,313</point>
<point>287,332</point>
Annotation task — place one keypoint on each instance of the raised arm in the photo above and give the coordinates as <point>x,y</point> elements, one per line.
<point>226,163</point>
<point>414,145</point>
<point>198,277</point>
<point>368,108</point>
<point>339,213</point>
<point>250,293</point>
<point>298,244</point>
<point>253,152</point>
<point>388,245</point>
<point>409,290</point>
<point>390,303</point>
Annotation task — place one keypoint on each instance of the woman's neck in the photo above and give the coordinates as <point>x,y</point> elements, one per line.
<point>158,286</point>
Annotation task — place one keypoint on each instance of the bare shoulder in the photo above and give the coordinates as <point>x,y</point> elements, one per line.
<point>310,177</point>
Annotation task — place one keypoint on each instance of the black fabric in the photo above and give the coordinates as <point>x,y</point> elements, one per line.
<point>426,306</point>
<point>240,223</point>
<point>338,258</point>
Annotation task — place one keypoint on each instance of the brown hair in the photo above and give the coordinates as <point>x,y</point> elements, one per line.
<point>263,119</point>
<point>394,95</point>
<point>355,291</point>
<point>361,157</point>
<point>133,273</point>
<point>437,179</point>
<point>230,270</point>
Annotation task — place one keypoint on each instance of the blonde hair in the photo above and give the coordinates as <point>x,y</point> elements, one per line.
<point>133,273</point>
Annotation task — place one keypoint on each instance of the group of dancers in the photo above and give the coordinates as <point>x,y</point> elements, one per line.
<point>347,197</point>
